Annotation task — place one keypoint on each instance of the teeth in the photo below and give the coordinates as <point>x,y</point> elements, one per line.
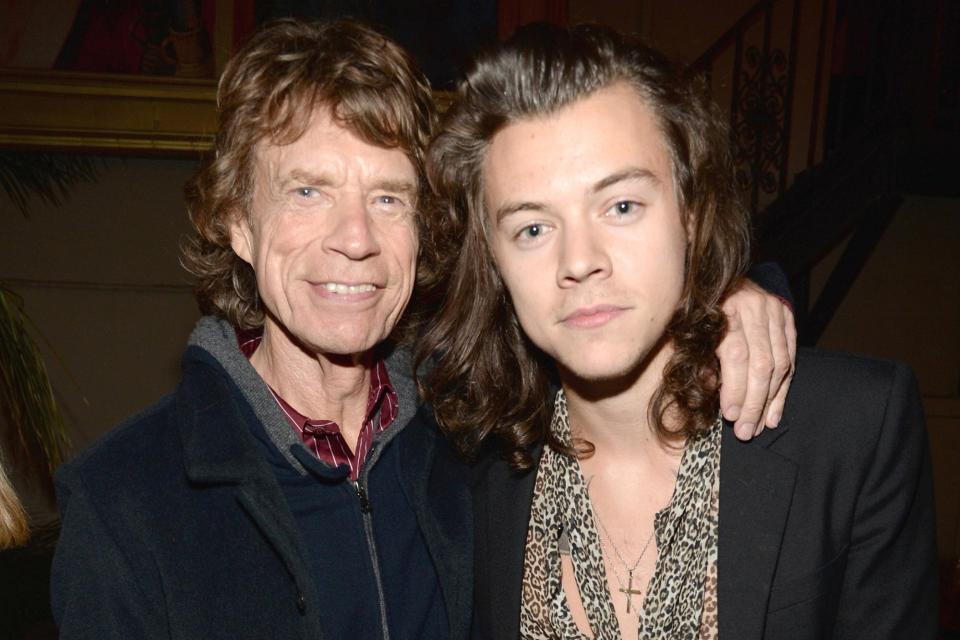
<point>339,288</point>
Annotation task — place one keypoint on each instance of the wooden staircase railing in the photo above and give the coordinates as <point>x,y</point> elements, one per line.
<point>762,82</point>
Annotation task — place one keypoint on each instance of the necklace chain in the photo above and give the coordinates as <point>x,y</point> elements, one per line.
<point>616,551</point>
<point>628,591</point>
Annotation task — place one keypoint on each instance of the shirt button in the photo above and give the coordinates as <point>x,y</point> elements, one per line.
<point>301,604</point>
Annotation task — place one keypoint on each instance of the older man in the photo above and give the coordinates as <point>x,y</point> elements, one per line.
<point>292,486</point>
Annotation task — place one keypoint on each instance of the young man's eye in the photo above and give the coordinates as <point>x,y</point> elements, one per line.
<point>625,207</point>
<point>531,232</point>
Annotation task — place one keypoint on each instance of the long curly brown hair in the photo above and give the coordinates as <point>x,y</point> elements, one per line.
<point>268,92</point>
<point>488,378</point>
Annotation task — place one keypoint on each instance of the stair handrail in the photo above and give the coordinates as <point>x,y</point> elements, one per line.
<point>720,44</point>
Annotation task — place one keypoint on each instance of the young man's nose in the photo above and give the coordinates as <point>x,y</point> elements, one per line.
<point>582,255</point>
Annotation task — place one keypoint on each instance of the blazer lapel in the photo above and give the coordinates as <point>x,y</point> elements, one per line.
<point>502,500</point>
<point>756,489</point>
<point>436,481</point>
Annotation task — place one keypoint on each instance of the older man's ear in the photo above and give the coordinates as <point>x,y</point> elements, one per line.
<point>241,237</point>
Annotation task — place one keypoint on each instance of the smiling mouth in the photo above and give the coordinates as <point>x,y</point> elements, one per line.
<point>340,288</point>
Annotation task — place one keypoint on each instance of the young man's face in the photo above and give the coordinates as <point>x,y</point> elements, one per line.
<point>332,237</point>
<point>586,231</point>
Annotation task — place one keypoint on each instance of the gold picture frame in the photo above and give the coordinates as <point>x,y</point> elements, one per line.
<point>112,113</point>
<point>120,113</point>
<point>108,113</point>
<point>115,112</point>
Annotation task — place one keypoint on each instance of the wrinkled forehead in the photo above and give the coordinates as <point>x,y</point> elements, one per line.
<point>328,148</point>
<point>384,125</point>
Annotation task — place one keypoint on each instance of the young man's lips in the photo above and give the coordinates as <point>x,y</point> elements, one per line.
<point>590,317</point>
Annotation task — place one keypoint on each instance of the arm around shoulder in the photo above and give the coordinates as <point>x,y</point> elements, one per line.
<point>94,592</point>
<point>890,582</point>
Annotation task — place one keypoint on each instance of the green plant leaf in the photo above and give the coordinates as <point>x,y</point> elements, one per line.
<point>48,176</point>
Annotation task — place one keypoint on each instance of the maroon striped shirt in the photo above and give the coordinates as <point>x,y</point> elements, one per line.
<point>323,437</point>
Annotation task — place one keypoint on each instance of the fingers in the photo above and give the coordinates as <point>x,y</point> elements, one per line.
<point>756,355</point>
<point>760,370</point>
<point>733,354</point>
<point>785,356</point>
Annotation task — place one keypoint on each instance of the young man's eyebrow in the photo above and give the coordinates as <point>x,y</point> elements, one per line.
<point>633,173</point>
<point>509,208</point>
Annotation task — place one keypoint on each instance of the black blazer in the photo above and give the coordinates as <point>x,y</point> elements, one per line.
<point>826,523</point>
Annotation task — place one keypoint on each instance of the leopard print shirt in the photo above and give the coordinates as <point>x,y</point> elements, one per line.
<point>681,600</point>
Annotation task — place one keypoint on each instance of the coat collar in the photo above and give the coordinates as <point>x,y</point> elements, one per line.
<point>219,450</point>
<point>210,415</point>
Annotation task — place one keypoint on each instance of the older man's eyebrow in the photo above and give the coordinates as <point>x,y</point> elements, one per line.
<point>633,173</point>
<point>510,208</point>
<point>405,187</point>
<point>310,178</point>
<point>302,176</point>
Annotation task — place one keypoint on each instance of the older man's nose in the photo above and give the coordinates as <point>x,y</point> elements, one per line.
<point>353,234</point>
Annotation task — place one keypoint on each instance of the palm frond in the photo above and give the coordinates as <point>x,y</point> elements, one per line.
<point>37,434</point>
<point>48,176</point>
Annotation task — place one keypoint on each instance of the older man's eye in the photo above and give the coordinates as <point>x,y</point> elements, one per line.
<point>307,192</point>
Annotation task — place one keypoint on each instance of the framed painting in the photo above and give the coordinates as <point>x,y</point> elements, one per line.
<point>139,76</point>
<point>123,76</point>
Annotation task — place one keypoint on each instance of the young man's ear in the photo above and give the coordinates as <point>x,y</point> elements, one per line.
<point>689,226</point>
<point>241,236</point>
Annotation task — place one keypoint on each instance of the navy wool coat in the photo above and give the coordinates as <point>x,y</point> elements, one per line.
<point>175,526</point>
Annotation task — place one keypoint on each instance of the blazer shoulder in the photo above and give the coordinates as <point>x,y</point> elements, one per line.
<point>837,365</point>
<point>829,377</point>
<point>846,400</point>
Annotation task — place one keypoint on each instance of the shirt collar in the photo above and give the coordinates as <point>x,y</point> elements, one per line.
<point>380,386</point>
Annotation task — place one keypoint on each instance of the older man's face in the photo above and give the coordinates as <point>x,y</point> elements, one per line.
<point>332,237</point>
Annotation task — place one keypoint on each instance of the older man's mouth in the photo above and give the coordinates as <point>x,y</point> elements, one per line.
<point>341,288</point>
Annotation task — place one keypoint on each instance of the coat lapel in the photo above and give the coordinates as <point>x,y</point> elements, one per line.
<point>219,450</point>
<point>756,489</point>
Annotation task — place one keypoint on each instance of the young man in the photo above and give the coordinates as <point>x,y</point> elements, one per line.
<point>292,486</point>
<point>592,201</point>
